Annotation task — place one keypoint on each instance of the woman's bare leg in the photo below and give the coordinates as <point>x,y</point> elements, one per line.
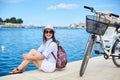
<point>25,63</point>
<point>37,63</point>
<point>21,67</point>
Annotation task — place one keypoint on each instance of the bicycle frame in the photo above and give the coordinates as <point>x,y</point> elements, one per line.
<point>108,51</point>
<point>91,41</point>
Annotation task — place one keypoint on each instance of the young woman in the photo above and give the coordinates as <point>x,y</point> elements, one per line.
<point>41,58</point>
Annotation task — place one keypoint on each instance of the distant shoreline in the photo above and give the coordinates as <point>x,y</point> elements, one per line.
<point>11,25</point>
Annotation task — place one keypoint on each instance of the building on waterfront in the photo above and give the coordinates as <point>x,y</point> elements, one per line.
<point>80,25</point>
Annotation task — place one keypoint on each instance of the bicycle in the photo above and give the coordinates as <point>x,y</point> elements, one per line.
<point>97,25</point>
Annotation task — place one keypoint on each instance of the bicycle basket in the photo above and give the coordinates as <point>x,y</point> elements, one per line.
<point>96,25</point>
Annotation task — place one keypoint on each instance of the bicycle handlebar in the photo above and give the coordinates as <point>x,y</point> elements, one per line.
<point>117,25</point>
<point>115,15</point>
<point>90,8</point>
<point>93,10</point>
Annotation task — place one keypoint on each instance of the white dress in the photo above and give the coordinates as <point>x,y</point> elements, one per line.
<point>49,63</point>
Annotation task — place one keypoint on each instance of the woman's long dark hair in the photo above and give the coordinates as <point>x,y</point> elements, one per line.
<point>53,37</point>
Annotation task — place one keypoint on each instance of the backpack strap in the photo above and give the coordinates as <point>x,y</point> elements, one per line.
<point>52,52</point>
<point>53,55</point>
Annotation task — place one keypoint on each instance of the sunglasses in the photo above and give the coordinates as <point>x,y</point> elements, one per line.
<point>46,32</point>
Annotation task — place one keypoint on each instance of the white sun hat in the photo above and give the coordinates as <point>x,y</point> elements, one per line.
<point>49,27</point>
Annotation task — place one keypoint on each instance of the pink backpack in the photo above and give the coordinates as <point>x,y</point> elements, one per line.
<point>61,60</point>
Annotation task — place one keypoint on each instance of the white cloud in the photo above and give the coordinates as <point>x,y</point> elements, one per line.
<point>11,1</point>
<point>63,6</point>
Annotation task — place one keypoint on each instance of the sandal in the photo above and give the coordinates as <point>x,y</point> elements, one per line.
<point>16,71</point>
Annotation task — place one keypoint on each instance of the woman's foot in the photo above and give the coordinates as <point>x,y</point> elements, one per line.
<point>16,71</point>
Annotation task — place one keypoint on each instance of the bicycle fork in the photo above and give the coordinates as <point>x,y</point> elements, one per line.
<point>90,45</point>
<point>87,52</point>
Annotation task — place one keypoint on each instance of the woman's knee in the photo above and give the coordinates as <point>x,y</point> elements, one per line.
<point>33,52</point>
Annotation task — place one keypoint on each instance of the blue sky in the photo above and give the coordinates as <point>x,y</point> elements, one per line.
<point>54,12</point>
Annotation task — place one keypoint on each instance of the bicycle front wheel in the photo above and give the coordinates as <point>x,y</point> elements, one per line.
<point>116,53</point>
<point>87,53</point>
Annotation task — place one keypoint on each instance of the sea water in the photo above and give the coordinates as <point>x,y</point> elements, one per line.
<point>16,41</point>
